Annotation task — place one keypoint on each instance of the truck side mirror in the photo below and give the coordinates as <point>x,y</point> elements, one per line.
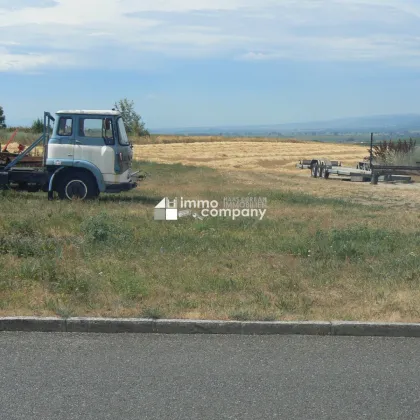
<point>107,124</point>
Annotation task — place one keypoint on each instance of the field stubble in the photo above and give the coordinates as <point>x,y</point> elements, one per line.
<point>280,156</point>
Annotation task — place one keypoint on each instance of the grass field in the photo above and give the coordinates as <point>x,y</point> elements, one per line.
<point>342,251</point>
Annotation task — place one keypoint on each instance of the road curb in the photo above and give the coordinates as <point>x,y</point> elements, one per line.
<point>109,325</point>
<point>378,329</point>
<point>177,326</point>
<point>32,324</point>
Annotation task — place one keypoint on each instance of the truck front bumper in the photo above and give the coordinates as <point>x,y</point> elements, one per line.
<point>116,188</point>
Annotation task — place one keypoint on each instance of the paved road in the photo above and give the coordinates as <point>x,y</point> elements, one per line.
<point>124,377</point>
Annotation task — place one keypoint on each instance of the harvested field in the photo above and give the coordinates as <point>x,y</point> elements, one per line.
<point>275,164</point>
<point>168,139</point>
<point>247,155</point>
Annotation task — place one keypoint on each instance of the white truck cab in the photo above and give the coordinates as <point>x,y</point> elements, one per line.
<point>89,152</point>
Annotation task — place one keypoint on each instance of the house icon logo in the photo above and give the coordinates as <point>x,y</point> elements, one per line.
<point>167,209</point>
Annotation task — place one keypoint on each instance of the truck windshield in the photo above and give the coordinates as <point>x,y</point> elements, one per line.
<point>123,138</point>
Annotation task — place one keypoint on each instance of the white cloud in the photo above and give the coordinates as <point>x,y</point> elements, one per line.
<point>17,62</point>
<point>84,32</point>
<point>384,47</point>
<point>12,62</point>
<point>7,43</point>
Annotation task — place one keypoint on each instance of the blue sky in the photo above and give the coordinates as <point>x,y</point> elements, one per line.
<point>211,62</point>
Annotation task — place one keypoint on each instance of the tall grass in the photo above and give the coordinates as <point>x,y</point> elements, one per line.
<point>25,138</point>
<point>310,258</point>
<point>401,159</point>
<point>402,153</point>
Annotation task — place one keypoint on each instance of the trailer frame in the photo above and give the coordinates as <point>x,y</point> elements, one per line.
<point>32,179</point>
<point>323,168</point>
<point>365,171</point>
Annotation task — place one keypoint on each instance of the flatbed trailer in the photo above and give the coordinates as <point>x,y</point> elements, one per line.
<point>391,171</point>
<point>366,171</point>
<point>307,163</point>
<point>323,168</point>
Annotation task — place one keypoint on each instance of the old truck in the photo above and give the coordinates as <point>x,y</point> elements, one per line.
<point>85,153</point>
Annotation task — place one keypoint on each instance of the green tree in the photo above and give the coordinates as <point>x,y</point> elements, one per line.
<point>37,126</point>
<point>2,118</point>
<point>132,120</point>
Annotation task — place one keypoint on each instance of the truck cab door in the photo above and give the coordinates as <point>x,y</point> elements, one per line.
<point>61,144</point>
<point>94,144</point>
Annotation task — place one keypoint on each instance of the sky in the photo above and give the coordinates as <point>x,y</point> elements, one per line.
<point>206,63</point>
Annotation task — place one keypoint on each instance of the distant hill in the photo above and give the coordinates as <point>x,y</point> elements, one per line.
<point>378,123</point>
<point>395,123</point>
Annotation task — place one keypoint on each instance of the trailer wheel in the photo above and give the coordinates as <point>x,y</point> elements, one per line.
<point>78,185</point>
<point>321,171</point>
<point>314,170</point>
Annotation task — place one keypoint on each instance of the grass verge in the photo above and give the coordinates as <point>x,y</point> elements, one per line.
<point>309,258</point>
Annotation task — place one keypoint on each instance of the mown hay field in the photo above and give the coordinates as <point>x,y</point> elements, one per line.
<point>249,155</point>
<point>250,159</point>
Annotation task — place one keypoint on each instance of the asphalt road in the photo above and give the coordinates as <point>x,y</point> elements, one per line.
<point>123,377</point>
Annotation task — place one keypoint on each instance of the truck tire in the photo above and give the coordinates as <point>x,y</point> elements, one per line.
<point>77,185</point>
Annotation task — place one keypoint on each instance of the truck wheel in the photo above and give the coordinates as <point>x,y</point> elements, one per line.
<point>77,186</point>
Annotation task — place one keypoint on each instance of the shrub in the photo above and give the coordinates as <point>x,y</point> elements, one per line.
<point>23,245</point>
<point>389,152</point>
<point>101,228</point>
<point>37,126</point>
